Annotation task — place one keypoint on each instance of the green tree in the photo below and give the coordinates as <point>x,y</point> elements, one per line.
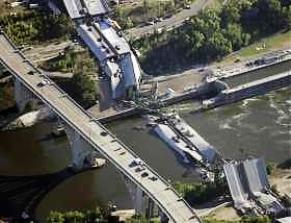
<point>89,216</point>
<point>74,217</point>
<point>84,89</point>
<point>269,168</point>
<point>26,27</point>
<point>55,217</point>
<point>129,23</point>
<point>196,193</point>
<point>235,34</point>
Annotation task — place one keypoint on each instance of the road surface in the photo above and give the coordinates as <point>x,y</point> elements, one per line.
<point>174,21</point>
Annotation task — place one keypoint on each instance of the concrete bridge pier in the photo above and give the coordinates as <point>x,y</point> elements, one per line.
<point>143,204</point>
<point>22,95</point>
<point>83,154</point>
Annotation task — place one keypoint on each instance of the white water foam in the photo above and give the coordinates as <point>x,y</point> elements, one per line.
<point>247,101</point>
<point>283,118</point>
<point>225,125</point>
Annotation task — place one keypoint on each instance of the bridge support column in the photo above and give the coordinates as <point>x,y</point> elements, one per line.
<point>143,204</point>
<point>83,155</point>
<point>22,95</point>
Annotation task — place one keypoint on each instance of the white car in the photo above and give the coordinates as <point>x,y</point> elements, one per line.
<point>137,162</point>
<point>43,83</point>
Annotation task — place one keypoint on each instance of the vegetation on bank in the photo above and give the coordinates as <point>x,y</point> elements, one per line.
<point>6,96</point>
<point>245,219</point>
<point>35,26</point>
<point>214,33</point>
<point>83,87</point>
<point>134,14</point>
<point>277,41</point>
<point>198,193</point>
<point>71,61</point>
<point>97,215</point>
<point>100,215</point>
<point>141,219</point>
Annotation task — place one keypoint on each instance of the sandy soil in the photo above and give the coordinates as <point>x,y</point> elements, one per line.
<point>124,214</point>
<point>178,83</point>
<point>225,213</point>
<point>282,179</point>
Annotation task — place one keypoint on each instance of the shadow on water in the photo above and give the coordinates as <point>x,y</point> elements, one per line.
<point>24,193</point>
<point>286,164</point>
<point>26,152</point>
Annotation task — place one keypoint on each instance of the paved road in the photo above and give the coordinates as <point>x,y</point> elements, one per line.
<point>174,21</point>
<point>95,134</point>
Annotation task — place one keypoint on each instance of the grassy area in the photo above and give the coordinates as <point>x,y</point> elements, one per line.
<point>272,43</point>
<point>244,219</point>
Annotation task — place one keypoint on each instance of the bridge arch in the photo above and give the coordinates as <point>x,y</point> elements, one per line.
<point>24,98</point>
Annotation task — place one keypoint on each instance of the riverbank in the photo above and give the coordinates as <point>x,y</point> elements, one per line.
<point>256,63</point>
<point>281,180</point>
<point>274,43</point>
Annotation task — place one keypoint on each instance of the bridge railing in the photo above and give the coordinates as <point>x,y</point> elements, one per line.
<point>169,186</point>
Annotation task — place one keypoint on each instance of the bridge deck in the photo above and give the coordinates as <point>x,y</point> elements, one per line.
<point>74,8</point>
<point>93,132</point>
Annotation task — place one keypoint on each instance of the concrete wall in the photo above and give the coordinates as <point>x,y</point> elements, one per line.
<point>251,89</point>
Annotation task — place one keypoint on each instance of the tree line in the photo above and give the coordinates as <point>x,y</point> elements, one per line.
<point>245,219</point>
<point>100,215</point>
<point>214,33</point>
<point>34,26</point>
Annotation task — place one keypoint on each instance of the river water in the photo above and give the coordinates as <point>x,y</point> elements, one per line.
<point>259,126</point>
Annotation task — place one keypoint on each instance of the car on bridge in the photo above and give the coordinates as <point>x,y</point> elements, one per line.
<point>43,83</point>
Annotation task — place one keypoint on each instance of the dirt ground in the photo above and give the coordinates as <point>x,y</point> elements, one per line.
<point>180,82</point>
<point>225,213</point>
<point>124,214</point>
<point>282,179</point>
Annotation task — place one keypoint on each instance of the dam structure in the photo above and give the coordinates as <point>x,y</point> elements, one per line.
<point>250,89</point>
<point>105,40</point>
<point>89,138</point>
